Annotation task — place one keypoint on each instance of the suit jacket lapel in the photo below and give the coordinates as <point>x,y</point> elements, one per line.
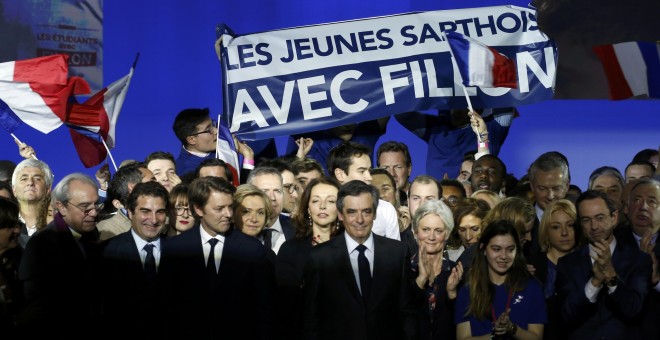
<point>346,267</point>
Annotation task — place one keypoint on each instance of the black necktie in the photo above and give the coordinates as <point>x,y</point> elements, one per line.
<point>210,264</point>
<point>150,262</point>
<point>364,271</point>
<point>268,235</point>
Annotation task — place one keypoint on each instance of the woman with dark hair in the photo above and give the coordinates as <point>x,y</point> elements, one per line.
<point>467,226</point>
<point>315,222</point>
<point>180,214</point>
<point>500,298</point>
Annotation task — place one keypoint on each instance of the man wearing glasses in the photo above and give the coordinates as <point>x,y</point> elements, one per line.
<point>58,270</point>
<point>198,135</point>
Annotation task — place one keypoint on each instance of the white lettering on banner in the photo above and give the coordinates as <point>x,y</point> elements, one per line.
<point>319,76</point>
<point>335,93</point>
<point>525,59</point>
<point>301,49</point>
<point>307,98</point>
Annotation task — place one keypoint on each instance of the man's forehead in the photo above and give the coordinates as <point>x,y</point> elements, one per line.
<point>267,179</point>
<point>424,188</point>
<point>31,170</point>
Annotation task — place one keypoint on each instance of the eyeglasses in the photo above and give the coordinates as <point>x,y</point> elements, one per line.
<point>291,188</point>
<point>452,201</point>
<point>181,210</point>
<point>86,209</point>
<point>214,125</point>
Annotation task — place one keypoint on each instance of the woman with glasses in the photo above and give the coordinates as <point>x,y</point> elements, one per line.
<point>500,298</point>
<point>180,215</point>
<point>315,223</point>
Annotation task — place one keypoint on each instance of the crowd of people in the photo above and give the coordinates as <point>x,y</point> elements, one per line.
<point>321,244</point>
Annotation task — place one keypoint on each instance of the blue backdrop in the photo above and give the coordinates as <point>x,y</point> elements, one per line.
<point>178,69</point>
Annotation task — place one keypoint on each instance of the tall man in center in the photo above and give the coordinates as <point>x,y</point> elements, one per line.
<point>218,282</point>
<point>358,284</point>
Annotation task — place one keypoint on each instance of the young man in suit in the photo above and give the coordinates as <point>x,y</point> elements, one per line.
<point>358,285</point>
<point>602,287</point>
<point>217,280</point>
<point>130,262</point>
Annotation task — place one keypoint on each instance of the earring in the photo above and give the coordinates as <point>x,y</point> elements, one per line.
<point>309,221</point>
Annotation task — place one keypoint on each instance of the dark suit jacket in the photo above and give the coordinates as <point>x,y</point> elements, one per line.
<point>289,270</point>
<point>287,227</point>
<point>650,323</point>
<point>131,303</point>
<point>60,283</point>
<point>613,316</point>
<point>334,308</point>
<point>237,305</point>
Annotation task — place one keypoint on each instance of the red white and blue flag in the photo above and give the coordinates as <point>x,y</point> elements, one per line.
<point>226,151</point>
<point>96,118</point>
<point>632,69</point>
<point>37,92</point>
<point>480,65</point>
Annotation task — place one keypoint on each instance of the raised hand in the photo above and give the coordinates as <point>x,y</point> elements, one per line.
<point>304,146</point>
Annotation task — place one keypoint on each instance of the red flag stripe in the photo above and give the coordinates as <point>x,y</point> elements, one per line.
<point>618,85</point>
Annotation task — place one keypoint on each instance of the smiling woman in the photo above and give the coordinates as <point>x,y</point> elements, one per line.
<point>500,297</point>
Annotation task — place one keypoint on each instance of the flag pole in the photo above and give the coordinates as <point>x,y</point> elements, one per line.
<point>19,142</point>
<point>217,140</point>
<point>109,154</point>
<point>453,62</point>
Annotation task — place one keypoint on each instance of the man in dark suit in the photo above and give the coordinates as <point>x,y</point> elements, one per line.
<point>602,287</point>
<point>358,285</point>
<point>59,268</point>
<point>643,213</point>
<point>280,227</point>
<point>130,262</point>
<point>217,280</point>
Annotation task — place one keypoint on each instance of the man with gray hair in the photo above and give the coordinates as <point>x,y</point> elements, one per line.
<point>280,227</point>
<point>549,178</point>
<point>58,270</point>
<point>31,183</point>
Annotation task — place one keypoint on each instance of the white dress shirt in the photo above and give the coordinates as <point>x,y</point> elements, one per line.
<point>353,255</point>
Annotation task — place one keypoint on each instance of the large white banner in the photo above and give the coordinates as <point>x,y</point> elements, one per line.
<point>316,77</point>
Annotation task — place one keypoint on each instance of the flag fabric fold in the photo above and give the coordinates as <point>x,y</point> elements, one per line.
<point>632,68</point>
<point>96,118</point>
<point>481,65</point>
<point>38,90</point>
<point>226,150</point>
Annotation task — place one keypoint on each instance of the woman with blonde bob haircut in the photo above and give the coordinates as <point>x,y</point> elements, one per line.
<point>252,209</point>
<point>558,236</point>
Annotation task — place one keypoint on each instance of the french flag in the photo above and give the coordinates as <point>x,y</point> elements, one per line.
<point>226,151</point>
<point>93,122</point>
<point>480,65</point>
<point>632,69</point>
<point>37,90</point>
